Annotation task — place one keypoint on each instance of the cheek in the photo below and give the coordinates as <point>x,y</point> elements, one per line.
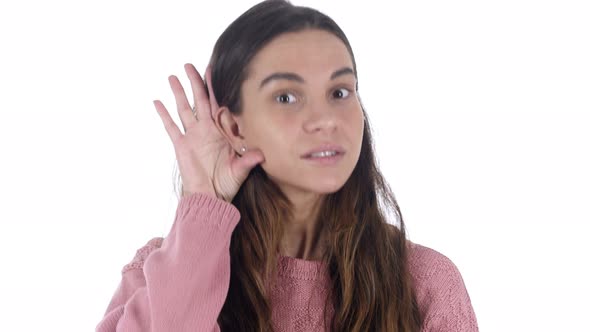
<point>270,134</point>
<point>356,121</point>
<point>355,133</point>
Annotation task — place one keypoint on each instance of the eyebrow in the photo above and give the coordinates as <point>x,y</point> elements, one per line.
<point>296,78</point>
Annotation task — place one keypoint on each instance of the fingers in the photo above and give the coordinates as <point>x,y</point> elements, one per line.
<point>204,107</point>
<point>171,127</point>
<point>201,100</point>
<point>212,99</point>
<point>184,108</point>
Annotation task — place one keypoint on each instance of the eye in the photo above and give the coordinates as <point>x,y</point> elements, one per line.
<point>285,98</point>
<point>340,93</point>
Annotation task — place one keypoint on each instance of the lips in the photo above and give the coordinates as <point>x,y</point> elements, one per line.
<point>324,147</point>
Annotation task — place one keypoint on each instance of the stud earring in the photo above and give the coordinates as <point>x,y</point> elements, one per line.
<point>243,149</point>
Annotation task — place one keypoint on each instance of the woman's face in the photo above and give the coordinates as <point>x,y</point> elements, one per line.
<point>310,103</point>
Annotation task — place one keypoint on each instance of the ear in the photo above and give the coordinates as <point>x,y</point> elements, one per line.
<point>229,126</point>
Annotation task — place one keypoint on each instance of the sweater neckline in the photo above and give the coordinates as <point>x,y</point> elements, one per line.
<point>302,269</point>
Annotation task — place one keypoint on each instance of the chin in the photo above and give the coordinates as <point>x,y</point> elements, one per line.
<point>317,180</point>
<point>310,184</point>
<point>325,185</point>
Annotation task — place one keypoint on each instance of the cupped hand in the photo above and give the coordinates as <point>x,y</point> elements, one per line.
<point>206,160</point>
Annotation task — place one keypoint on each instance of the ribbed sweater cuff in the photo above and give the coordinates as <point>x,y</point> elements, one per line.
<point>204,207</point>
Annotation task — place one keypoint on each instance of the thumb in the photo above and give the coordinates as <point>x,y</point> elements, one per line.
<point>249,160</point>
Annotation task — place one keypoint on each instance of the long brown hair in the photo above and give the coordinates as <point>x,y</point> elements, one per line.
<point>366,257</point>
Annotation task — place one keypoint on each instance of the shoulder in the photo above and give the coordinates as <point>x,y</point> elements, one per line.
<point>142,253</point>
<point>426,263</point>
<point>440,291</point>
<point>433,274</point>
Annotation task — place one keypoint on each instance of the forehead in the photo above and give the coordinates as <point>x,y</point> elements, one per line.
<point>308,51</point>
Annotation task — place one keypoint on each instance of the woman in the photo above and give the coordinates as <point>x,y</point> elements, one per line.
<point>281,225</point>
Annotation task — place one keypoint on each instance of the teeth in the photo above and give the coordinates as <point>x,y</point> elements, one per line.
<point>323,154</point>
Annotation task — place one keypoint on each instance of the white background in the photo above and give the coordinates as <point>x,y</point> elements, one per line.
<point>481,119</point>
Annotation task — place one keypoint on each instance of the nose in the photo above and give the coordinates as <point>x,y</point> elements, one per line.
<point>321,117</point>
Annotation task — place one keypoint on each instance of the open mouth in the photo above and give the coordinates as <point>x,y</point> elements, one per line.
<point>325,157</point>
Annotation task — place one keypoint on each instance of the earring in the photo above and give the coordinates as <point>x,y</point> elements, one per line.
<point>243,149</point>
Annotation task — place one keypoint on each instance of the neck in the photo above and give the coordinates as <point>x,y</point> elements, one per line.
<point>301,237</point>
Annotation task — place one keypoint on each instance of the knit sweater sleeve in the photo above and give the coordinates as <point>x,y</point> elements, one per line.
<point>178,283</point>
<point>441,294</point>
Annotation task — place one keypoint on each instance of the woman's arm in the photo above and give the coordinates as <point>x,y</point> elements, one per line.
<point>181,282</point>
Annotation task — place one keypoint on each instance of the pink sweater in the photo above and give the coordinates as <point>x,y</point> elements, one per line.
<point>179,283</point>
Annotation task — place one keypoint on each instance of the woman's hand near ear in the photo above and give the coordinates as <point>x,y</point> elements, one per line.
<point>207,162</point>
